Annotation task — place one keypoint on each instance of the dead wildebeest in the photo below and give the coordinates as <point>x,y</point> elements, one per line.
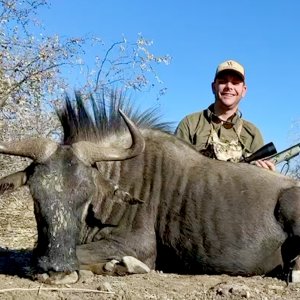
<point>197,215</point>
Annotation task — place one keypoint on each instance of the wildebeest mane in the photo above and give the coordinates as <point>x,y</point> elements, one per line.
<point>94,118</point>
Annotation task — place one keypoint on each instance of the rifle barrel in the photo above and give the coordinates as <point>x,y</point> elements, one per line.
<point>262,153</point>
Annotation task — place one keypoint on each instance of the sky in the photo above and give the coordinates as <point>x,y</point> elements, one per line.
<point>264,36</point>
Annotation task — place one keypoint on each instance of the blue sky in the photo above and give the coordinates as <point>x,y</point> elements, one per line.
<point>263,35</point>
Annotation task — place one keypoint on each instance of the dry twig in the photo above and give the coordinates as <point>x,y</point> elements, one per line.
<point>40,288</point>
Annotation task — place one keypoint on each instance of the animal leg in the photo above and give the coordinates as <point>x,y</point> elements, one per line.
<point>127,265</point>
<point>290,251</point>
<point>288,214</point>
<point>110,258</point>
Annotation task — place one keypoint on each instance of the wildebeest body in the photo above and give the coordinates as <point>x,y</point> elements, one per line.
<point>198,215</point>
<point>210,216</point>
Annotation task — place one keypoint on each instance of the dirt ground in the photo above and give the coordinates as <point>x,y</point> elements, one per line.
<point>17,238</point>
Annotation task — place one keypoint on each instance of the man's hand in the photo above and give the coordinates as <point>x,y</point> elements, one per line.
<point>266,164</point>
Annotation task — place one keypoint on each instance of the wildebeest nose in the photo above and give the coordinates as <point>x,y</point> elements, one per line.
<point>44,264</point>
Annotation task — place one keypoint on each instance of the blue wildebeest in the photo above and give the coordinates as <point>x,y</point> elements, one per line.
<point>197,215</point>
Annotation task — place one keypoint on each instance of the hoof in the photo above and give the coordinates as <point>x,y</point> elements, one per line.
<point>295,276</point>
<point>135,266</point>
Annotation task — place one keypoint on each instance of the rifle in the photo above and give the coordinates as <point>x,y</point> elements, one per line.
<point>285,155</point>
<point>269,152</point>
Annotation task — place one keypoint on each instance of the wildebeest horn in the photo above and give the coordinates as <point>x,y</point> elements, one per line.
<point>38,149</point>
<point>91,152</point>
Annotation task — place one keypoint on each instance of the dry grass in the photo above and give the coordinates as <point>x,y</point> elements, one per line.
<point>17,222</point>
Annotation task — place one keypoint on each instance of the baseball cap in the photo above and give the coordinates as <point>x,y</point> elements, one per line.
<point>231,65</point>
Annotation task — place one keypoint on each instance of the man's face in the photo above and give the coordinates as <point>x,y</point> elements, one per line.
<point>229,89</point>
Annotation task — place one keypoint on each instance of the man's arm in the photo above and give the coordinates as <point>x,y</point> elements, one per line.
<point>256,144</point>
<point>183,131</point>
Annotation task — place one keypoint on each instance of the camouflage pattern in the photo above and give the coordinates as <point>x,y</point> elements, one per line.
<point>228,150</point>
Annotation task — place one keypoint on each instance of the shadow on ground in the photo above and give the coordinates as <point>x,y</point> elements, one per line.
<point>16,262</point>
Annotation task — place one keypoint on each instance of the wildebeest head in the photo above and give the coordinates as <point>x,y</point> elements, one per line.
<point>63,183</point>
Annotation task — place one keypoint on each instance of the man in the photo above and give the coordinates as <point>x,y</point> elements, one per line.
<point>219,131</point>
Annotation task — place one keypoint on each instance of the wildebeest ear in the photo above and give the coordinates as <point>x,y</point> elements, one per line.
<point>13,181</point>
<point>125,196</point>
<point>112,192</point>
<point>110,202</point>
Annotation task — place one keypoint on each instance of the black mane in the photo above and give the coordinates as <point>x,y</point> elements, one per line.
<point>95,118</point>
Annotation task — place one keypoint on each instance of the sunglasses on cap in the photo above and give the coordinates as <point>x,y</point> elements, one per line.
<point>226,124</point>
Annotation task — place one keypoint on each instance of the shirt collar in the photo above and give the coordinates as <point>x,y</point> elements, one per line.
<point>234,118</point>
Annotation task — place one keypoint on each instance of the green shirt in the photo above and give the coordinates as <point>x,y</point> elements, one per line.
<point>196,128</point>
